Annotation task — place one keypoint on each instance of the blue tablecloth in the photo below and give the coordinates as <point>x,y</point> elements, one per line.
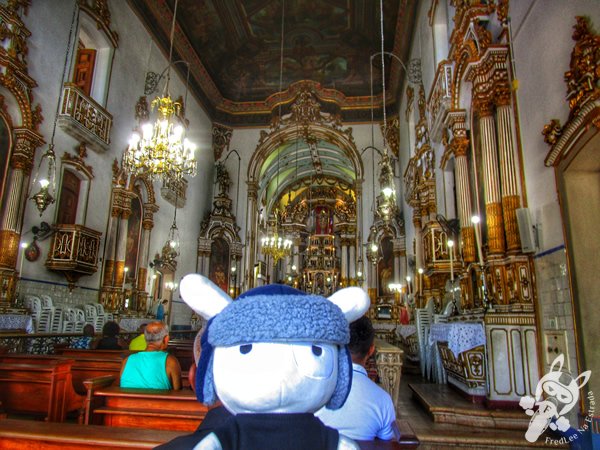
<point>16,322</point>
<point>461,336</point>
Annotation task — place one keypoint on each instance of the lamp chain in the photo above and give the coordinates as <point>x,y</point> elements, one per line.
<point>171,39</point>
<point>62,78</point>
<point>383,77</point>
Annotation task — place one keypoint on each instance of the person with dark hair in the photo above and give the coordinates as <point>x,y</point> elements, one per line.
<point>109,339</point>
<point>368,412</point>
<point>153,368</point>
<point>84,341</point>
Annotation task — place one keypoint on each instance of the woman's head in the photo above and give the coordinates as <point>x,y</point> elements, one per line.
<point>110,329</point>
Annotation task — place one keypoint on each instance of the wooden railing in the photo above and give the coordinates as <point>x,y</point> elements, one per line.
<point>74,251</point>
<point>86,114</point>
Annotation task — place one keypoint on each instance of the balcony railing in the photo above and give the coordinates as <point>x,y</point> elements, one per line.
<point>85,119</point>
<point>74,251</point>
<point>440,99</point>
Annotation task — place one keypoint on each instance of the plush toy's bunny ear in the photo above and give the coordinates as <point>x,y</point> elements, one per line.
<point>202,295</point>
<point>353,301</point>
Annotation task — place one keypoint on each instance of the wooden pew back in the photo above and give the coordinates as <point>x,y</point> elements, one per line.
<point>43,387</point>
<point>148,408</point>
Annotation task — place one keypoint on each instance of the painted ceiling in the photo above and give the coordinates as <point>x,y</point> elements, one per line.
<point>234,51</point>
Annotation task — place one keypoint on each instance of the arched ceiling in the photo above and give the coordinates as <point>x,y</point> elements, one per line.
<point>297,160</point>
<point>233,47</point>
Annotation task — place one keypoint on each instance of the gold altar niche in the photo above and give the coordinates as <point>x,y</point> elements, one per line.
<point>321,272</point>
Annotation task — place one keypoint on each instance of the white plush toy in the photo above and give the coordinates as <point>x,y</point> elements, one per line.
<point>274,357</point>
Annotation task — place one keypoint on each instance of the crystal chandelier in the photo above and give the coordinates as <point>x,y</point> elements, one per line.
<point>161,151</point>
<point>276,247</point>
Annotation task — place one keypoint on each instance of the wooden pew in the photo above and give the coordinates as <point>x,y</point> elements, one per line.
<point>148,408</point>
<point>85,366</point>
<point>42,387</point>
<point>30,435</point>
<point>76,352</point>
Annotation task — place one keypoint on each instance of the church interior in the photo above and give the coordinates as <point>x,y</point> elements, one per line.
<point>441,155</point>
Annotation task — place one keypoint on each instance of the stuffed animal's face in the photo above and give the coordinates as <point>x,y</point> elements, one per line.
<point>275,349</point>
<point>270,377</point>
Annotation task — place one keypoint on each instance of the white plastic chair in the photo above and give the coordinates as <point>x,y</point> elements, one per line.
<point>47,302</point>
<point>423,320</point>
<point>56,325</point>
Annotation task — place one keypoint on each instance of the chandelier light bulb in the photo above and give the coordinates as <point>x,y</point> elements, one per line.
<point>408,279</point>
<point>294,267</point>
<point>44,183</point>
<point>450,243</point>
<point>374,247</point>
<point>387,191</point>
<point>420,271</point>
<point>475,219</point>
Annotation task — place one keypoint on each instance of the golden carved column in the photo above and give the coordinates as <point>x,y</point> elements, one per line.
<point>109,256</point>
<point>142,273</point>
<point>251,230</point>
<point>26,141</point>
<point>491,178</point>
<point>460,147</point>
<point>21,162</point>
<point>511,199</point>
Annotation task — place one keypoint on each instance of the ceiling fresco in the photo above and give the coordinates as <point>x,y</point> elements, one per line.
<point>234,51</point>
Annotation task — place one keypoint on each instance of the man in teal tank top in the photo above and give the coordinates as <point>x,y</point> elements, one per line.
<point>153,368</point>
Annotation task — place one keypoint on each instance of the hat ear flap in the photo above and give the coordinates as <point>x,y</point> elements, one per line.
<point>203,296</point>
<point>344,380</point>
<point>353,301</point>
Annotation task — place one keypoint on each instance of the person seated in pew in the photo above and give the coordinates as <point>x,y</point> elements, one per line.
<point>110,339</point>
<point>139,343</point>
<point>216,416</point>
<point>368,412</point>
<point>85,341</point>
<point>153,368</point>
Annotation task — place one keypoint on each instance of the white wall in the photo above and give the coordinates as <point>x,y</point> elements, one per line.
<point>49,23</point>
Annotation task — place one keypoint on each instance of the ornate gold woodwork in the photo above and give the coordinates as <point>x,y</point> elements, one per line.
<point>467,369</point>
<point>119,273</point>
<point>583,93</point>
<point>392,138</point>
<point>221,137</point>
<point>26,141</point>
<point>410,99</point>
<point>9,248</point>
<point>109,271</point>
<point>495,228</point>
<point>583,75</point>
<point>74,251</point>
<point>85,119</point>
<point>440,98</point>
<point>509,206</point>
<point>141,278</point>
<point>13,60</point>
<point>468,244</point>
<point>98,10</point>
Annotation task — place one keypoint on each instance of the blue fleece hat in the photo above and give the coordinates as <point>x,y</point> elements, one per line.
<point>276,313</point>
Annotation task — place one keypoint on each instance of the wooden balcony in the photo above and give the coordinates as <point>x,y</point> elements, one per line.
<point>74,251</point>
<point>84,119</point>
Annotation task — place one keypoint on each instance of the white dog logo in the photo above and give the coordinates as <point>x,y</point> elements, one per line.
<point>558,395</point>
